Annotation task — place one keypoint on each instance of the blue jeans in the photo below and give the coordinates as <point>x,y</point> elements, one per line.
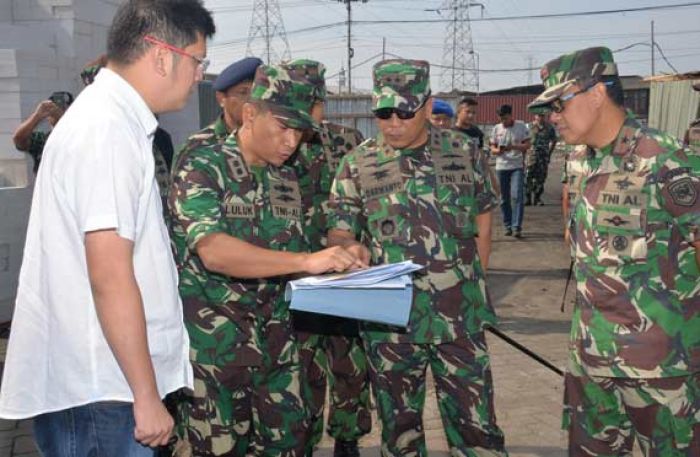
<point>104,429</point>
<point>511,182</point>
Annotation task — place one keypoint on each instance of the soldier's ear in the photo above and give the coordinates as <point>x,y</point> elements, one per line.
<point>248,113</point>
<point>598,95</point>
<point>220,98</point>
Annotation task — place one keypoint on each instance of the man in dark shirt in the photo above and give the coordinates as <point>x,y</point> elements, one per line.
<point>466,114</point>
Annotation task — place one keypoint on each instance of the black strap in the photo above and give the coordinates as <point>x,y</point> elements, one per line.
<point>566,287</point>
<point>524,350</point>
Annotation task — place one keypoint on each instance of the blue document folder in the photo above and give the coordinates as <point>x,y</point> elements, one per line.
<point>379,294</point>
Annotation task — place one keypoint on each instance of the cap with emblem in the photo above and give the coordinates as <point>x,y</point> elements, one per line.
<point>287,91</point>
<point>401,84</point>
<point>237,72</point>
<point>584,68</point>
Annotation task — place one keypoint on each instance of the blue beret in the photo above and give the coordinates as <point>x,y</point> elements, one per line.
<point>237,72</point>
<point>442,107</point>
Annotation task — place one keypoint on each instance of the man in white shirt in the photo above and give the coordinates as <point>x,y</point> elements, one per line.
<point>510,140</point>
<point>97,337</point>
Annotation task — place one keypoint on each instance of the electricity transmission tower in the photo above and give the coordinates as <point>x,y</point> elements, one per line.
<point>267,37</point>
<point>461,72</point>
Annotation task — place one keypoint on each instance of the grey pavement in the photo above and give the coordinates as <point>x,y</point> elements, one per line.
<point>526,281</point>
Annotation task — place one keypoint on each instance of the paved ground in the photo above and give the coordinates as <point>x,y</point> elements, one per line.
<point>526,281</point>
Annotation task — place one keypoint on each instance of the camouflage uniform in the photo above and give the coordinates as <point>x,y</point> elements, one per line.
<point>247,396</point>
<point>330,347</point>
<point>37,140</point>
<point>214,133</point>
<point>635,346</point>
<point>542,137</point>
<point>162,157</point>
<point>420,204</point>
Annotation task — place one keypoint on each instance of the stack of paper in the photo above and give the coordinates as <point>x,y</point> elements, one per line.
<point>378,294</point>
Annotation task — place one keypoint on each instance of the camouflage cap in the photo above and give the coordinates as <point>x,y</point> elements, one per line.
<point>584,67</point>
<point>287,93</point>
<point>312,71</point>
<point>400,83</point>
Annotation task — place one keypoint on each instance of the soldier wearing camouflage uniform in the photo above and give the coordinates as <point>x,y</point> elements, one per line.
<point>331,350</point>
<point>543,139</point>
<point>238,231</point>
<point>692,135</point>
<point>423,194</point>
<point>635,231</point>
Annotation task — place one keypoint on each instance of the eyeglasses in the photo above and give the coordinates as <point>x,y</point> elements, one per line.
<point>202,64</point>
<point>557,104</point>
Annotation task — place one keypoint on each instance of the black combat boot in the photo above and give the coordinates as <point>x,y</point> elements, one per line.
<point>346,449</point>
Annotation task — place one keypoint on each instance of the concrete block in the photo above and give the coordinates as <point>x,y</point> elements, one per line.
<point>63,12</point>
<point>31,10</point>
<point>9,104</point>
<point>8,63</point>
<point>96,11</point>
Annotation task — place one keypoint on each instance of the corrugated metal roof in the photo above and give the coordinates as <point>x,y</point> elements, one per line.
<point>489,104</point>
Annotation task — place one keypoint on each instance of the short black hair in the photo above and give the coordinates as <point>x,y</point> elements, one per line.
<point>505,109</point>
<point>469,101</point>
<point>613,87</point>
<point>177,22</point>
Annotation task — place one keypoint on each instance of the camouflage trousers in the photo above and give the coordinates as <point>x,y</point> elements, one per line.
<point>244,411</point>
<point>337,361</point>
<point>536,176</point>
<point>464,388</point>
<point>604,415</point>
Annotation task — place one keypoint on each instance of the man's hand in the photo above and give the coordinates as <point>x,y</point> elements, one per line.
<point>46,109</point>
<point>153,422</point>
<point>360,251</point>
<point>335,259</point>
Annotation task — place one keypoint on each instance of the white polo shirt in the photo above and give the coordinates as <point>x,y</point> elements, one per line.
<point>97,172</point>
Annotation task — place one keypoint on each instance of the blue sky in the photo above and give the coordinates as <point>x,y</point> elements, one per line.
<point>500,44</point>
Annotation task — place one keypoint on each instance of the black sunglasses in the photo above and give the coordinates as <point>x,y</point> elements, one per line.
<point>385,113</point>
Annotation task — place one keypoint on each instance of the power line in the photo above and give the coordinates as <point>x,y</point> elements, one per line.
<point>536,16</point>
<point>316,28</point>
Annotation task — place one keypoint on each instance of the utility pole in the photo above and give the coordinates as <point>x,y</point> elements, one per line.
<point>351,51</point>
<point>653,45</point>
<point>267,37</point>
<point>383,48</point>
<point>458,52</point>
